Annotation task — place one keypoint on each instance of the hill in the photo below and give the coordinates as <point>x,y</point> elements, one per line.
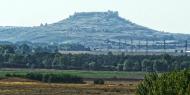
<point>93,29</point>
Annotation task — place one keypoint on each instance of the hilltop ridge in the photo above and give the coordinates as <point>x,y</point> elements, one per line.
<point>88,28</point>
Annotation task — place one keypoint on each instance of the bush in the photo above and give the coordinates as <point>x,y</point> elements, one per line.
<point>99,81</point>
<point>173,83</point>
<point>54,78</point>
<point>14,75</point>
<point>8,75</point>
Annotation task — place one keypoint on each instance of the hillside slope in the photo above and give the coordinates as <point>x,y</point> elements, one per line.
<point>89,28</point>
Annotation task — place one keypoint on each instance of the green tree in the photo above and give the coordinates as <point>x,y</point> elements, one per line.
<point>92,65</point>
<point>119,67</point>
<point>147,65</point>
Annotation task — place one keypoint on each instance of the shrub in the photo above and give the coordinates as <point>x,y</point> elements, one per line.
<point>8,75</point>
<point>99,81</point>
<point>54,78</point>
<point>172,83</point>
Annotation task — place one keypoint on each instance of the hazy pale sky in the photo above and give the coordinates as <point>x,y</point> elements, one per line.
<point>164,15</point>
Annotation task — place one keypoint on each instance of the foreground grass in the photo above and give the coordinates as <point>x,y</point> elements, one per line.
<point>83,74</point>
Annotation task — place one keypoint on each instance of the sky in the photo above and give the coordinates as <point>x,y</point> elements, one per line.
<point>163,15</point>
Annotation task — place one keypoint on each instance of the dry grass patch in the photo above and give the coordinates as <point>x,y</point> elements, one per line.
<point>21,87</point>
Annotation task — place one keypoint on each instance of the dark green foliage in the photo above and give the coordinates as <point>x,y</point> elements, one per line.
<point>95,62</point>
<point>50,78</point>
<point>99,81</point>
<point>15,75</point>
<point>173,83</point>
<point>8,75</point>
<point>110,62</point>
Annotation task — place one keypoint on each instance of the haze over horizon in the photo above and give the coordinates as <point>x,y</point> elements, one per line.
<point>163,15</point>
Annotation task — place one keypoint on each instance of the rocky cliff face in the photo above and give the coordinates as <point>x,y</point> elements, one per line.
<point>89,28</point>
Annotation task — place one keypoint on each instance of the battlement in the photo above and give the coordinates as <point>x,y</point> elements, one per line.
<point>108,13</point>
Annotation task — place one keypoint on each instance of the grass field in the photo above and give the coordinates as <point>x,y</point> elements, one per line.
<point>18,86</point>
<point>37,88</point>
<point>83,74</point>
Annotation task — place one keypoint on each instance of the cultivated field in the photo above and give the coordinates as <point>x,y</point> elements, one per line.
<point>116,83</point>
<point>11,87</point>
<point>83,74</point>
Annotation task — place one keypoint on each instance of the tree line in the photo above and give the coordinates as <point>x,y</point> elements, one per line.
<point>9,58</point>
